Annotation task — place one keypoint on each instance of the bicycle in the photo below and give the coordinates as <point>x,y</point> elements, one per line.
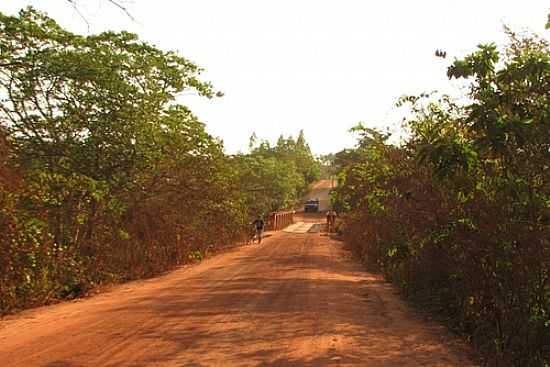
<point>257,230</point>
<point>255,234</point>
<point>252,235</point>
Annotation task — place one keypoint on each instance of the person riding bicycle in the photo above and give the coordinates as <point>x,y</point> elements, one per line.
<point>258,225</point>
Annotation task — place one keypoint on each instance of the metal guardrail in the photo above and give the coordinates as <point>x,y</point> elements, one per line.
<point>280,220</point>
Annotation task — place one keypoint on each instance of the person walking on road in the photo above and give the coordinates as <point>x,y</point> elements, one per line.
<point>258,225</point>
<point>331,221</point>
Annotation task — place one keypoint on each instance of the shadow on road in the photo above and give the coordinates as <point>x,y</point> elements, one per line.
<point>294,300</point>
<point>293,310</point>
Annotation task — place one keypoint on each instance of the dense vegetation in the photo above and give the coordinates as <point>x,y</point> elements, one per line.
<point>458,215</point>
<point>277,176</point>
<point>103,176</point>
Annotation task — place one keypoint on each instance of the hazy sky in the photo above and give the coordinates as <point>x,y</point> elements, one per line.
<point>316,65</point>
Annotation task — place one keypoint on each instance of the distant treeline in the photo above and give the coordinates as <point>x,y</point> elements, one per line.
<point>104,176</point>
<point>458,215</point>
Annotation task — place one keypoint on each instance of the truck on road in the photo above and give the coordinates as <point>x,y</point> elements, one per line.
<point>311,205</point>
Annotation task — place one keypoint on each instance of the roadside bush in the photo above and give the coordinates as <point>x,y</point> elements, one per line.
<point>458,216</point>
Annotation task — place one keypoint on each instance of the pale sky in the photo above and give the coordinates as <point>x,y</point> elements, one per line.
<point>317,65</point>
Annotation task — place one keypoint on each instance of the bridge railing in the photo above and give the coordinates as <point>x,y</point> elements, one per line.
<point>280,220</point>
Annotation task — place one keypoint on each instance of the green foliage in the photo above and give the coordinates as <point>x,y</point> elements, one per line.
<point>103,176</point>
<point>115,180</point>
<point>459,215</point>
<point>276,177</point>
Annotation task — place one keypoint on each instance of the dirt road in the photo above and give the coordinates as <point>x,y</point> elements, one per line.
<point>294,300</point>
<point>298,299</point>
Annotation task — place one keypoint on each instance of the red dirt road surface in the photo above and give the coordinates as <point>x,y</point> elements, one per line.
<point>298,299</point>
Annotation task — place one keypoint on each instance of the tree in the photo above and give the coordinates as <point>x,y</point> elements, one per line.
<point>83,110</point>
<point>106,160</point>
<point>458,216</point>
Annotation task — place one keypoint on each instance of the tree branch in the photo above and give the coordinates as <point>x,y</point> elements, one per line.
<point>73,4</point>
<point>123,8</point>
<point>116,3</point>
